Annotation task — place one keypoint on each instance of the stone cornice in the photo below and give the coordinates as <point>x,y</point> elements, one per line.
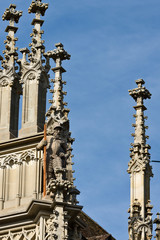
<point>24,215</point>
<point>20,143</point>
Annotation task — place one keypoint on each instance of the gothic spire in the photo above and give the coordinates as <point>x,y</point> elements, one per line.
<point>57,109</point>
<point>139,147</point>
<point>10,88</point>
<point>34,75</point>
<point>11,15</point>
<point>37,47</point>
<point>140,170</point>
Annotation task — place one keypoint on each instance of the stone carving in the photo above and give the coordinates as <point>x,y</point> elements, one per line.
<point>24,234</point>
<point>56,152</point>
<point>139,227</point>
<point>57,225</point>
<point>13,159</point>
<point>27,156</point>
<point>7,79</point>
<point>51,226</point>
<point>10,160</point>
<point>137,165</point>
<point>55,185</point>
<point>12,14</point>
<point>38,6</point>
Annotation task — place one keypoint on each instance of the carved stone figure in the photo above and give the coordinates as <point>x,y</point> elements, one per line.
<point>56,151</point>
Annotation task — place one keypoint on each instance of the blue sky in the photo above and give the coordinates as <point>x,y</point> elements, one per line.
<point>112,43</point>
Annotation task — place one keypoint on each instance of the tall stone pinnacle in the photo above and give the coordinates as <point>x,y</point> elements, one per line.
<point>57,115</point>
<point>140,222</point>
<point>60,185</point>
<point>11,15</point>
<point>57,109</point>
<point>139,94</point>
<point>37,47</point>
<point>10,88</point>
<point>34,75</point>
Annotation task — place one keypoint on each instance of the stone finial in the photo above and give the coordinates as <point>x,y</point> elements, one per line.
<point>59,53</point>
<point>11,14</point>
<point>38,7</point>
<point>140,92</point>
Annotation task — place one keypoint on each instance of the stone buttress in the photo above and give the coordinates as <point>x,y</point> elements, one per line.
<point>140,221</point>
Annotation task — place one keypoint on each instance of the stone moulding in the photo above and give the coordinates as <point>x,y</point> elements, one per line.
<point>18,158</point>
